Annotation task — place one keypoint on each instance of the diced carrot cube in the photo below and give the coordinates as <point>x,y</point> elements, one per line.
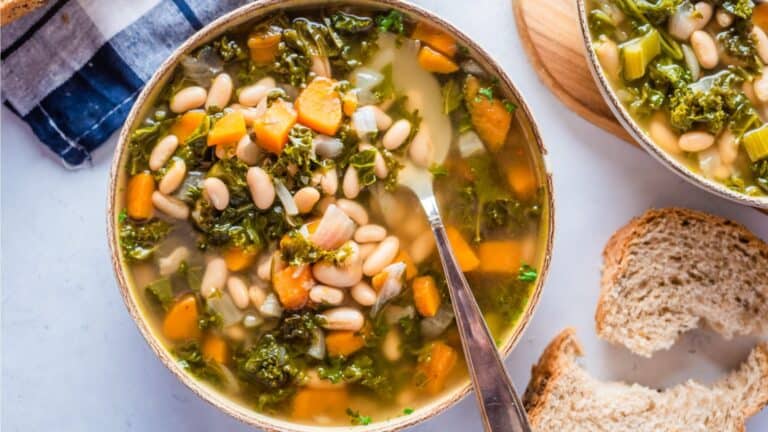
<point>187,124</point>
<point>228,130</point>
<point>426,296</point>
<point>292,286</point>
<point>180,323</point>
<point>319,106</point>
<point>432,61</point>
<point>273,127</point>
<point>343,343</point>
<point>435,371</point>
<point>500,256</point>
<point>435,38</point>
<point>215,348</point>
<point>238,259</point>
<point>139,196</point>
<point>466,257</point>
<point>310,403</point>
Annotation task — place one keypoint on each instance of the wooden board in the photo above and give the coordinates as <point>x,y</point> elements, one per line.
<point>552,39</point>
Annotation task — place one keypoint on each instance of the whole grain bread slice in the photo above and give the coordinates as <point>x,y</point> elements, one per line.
<point>669,269</point>
<point>562,396</point>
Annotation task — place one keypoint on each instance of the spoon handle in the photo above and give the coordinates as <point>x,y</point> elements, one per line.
<point>499,404</point>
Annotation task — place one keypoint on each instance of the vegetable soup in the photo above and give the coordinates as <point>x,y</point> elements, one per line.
<point>267,239</point>
<point>693,75</point>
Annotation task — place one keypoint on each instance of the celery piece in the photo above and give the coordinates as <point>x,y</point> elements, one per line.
<point>637,53</point>
<point>756,143</point>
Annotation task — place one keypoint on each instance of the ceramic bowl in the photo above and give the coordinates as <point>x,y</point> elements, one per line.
<point>250,12</point>
<point>641,135</point>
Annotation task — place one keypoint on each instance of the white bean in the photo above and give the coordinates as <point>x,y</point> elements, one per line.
<point>343,318</point>
<point>695,141</point>
<point>250,114</point>
<point>608,53</point>
<point>370,233</point>
<point>174,177</point>
<point>169,205</point>
<point>264,268</point>
<point>421,149</point>
<point>345,275</point>
<point>238,290</point>
<point>306,198</point>
<point>363,294</point>
<point>351,185</point>
<point>220,92</point>
<point>662,134</point>
<point>380,167</point>
<point>169,264</point>
<point>383,120</point>
<point>216,192</point>
<point>723,17</point>
<point>761,43</point>
<point>256,295</point>
<point>247,150</point>
<point>728,146</point>
<point>261,187</point>
<point>383,256</point>
<point>390,347</point>
<point>315,382</point>
<point>330,182</point>
<point>188,98</point>
<point>162,152</point>
<point>251,95</point>
<point>367,249</point>
<point>760,86</point>
<point>703,11</point>
<point>397,134</point>
<point>324,203</point>
<point>705,48</point>
<point>325,295</point>
<point>422,246</point>
<point>214,278</point>
<point>354,210</point>
<point>252,320</point>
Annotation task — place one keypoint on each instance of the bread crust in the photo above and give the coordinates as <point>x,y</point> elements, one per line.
<point>11,10</point>
<point>545,374</point>
<point>618,246</point>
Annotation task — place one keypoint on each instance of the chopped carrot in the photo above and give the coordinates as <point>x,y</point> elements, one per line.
<point>521,180</point>
<point>187,124</point>
<point>273,126</point>
<point>180,322</point>
<point>760,16</point>
<point>466,257</point>
<point>349,103</point>
<point>215,348</point>
<point>432,61</point>
<point>343,343</point>
<point>426,297</point>
<point>139,196</point>
<point>310,403</point>
<point>410,268</point>
<point>500,256</point>
<point>228,130</point>
<point>319,106</point>
<point>377,281</point>
<point>264,46</point>
<point>238,259</point>
<point>435,371</point>
<point>435,38</point>
<point>489,116</point>
<point>292,286</point>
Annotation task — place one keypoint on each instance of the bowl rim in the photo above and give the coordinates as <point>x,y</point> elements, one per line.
<point>641,136</point>
<point>253,11</point>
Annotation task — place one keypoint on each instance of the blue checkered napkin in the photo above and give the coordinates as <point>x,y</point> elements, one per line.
<point>73,69</point>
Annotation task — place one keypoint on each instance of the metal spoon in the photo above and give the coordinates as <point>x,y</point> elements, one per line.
<point>500,406</point>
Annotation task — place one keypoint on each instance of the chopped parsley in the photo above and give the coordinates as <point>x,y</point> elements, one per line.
<point>357,419</point>
<point>509,106</point>
<point>485,91</point>
<point>408,411</point>
<point>527,273</point>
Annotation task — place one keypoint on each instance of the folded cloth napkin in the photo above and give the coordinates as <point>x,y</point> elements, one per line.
<point>72,69</point>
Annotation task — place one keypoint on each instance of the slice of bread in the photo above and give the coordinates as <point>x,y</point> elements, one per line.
<point>564,397</point>
<point>669,269</point>
<point>14,9</point>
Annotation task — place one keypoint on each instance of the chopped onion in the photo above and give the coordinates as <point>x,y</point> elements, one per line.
<point>471,67</point>
<point>391,287</point>
<point>327,147</point>
<point>364,121</point>
<point>230,381</point>
<point>225,307</point>
<point>203,68</point>
<point>692,62</point>
<point>194,179</point>
<point>334,229</point>
<point>682,23</point>
<point>252,320</point>
<point>394,313</point>
<point>317,348</point>
<point>469,144</point>
<point>286,199</point>
<point>271,307</point>
<point>366,78</point>
<point>366,97</point>
<point>434,326</point>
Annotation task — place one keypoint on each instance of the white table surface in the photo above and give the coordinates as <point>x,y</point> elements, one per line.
<point>72,359</point>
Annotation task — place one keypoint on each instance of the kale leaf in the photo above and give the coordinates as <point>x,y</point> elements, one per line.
<point>140,240</point>
<point>361,369</point>
<point>297,250</point>
<point>740,8</point>
<point>268,364</point>
<point>190,357</point>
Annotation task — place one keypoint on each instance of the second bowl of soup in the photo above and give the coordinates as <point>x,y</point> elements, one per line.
<point>687,80</point>
<point>260,237</point>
